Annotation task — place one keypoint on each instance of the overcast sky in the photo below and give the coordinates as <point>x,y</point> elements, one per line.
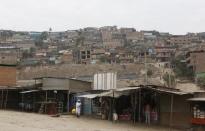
<point>175,16</point>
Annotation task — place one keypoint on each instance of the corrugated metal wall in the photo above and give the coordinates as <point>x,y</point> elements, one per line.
<point>105,81</point>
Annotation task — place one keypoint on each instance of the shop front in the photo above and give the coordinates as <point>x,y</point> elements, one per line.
<point>198,112</point>
<point>150,105</point>
<point>124,108</point>
<point>137,104</point>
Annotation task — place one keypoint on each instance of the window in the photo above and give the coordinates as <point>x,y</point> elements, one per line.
<point>83,52</point>
<point>83,57</point>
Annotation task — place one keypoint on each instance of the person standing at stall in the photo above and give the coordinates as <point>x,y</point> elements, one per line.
<point>78,108</point>
<point>147,113</point>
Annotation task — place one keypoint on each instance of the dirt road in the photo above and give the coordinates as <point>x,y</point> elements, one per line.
<point>17,121</point>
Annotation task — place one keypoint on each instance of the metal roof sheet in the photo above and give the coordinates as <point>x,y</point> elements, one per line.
<point>197,99</point>
<point>127,88</point>
<point>29,91</point>
<point>89,96</point>
<point>168,91</point>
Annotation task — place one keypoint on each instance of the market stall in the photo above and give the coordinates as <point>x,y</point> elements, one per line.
<point>198,111</point>
<point>150,105</point>
<point>123,107</point>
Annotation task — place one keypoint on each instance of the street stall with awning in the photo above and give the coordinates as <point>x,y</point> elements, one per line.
<point>198,110</point>
<point>100,102</point>
<point>129,104</point>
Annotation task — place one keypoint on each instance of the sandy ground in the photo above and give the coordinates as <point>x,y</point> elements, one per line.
<point>18,121</point>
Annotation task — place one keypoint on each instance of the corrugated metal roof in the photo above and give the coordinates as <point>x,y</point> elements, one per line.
<point>103,94</point>
<point>124,91</point>
<point>169,91</point>
<point>30,91</point>
<point>197,99</point>
<point>89,96</point>
<point>68,78</point>
<point>188,87</point>
<point>128,88</point>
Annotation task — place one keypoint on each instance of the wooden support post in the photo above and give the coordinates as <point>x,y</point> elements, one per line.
<point>68,101</point>
<point>22,101</point>
<point>5,104</point>
<point>113,96</point>
<point>139,119</point>
<point>2,98</point>
<point>46,96</point>
<point>135,107</point>
<point>158,107</point>
<point>91,104</point>
<point>171,112</point>
<point>146,77</point>
<point>46,101</point>
<point>34,100</point>
<point>68,96</point>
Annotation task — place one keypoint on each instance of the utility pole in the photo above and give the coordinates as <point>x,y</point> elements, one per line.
<point>145,66</point>
<point>170,81</point>
<point>171,112</point>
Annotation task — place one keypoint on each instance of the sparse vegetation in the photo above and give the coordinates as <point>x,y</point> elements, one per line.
<point>149,73</point>
<point>169,79</point>
<point>201,81</point>
<point>181,70</point>
<point>39,41</point>
<point>80,41</point>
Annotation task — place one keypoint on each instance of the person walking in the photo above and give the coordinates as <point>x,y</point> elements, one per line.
<point>78,108</point>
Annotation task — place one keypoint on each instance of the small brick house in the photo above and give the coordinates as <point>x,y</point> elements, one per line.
<point>7,75</point>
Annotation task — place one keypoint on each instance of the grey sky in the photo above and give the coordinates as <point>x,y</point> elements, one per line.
<point>175,16</point>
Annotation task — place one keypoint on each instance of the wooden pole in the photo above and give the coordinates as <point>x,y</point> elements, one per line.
<point>46,96</point>
<point>91,104</point>
<point>2,98</point>
<point>146,67</point>
<point>171,112</point>
<point>5,104</point>
<point>46,101</point>
<point>22,101</point>
<point>139,106</point>
<point>110,108</point>
<point>68,96</point>
<point>135,107</point>
<point>113,96</point>
<point>68,101</point>
<point>34,100</point>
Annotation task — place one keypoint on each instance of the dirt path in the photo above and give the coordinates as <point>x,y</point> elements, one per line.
<point>17,121</point>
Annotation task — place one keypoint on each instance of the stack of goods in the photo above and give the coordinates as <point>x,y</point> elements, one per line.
<point>195,112</point>
<point>202,115</point>
<point>198,113</point>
